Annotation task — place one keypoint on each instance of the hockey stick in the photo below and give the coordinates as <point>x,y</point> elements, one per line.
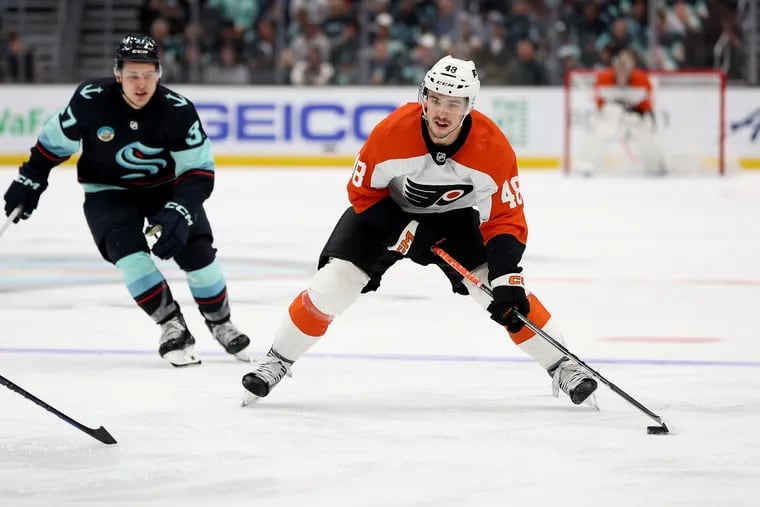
<point>100,434</point>
<point>653,430</point>
<point>10,220</point>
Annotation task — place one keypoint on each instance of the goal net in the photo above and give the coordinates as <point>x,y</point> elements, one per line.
<point>689,111</point>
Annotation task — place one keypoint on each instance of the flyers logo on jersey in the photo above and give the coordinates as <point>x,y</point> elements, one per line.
<point>424,195</point>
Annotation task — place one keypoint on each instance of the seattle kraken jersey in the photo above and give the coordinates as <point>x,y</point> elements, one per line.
<point>122,147</point>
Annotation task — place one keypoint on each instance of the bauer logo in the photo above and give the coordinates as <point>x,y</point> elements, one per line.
<point>310,122</point>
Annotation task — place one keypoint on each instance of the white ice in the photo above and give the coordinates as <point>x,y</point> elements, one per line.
<point>414,397</point>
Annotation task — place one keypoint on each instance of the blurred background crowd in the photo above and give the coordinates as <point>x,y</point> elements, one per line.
<point>375,42</point>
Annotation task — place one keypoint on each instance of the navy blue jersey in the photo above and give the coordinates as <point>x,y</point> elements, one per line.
<point>124,148</point>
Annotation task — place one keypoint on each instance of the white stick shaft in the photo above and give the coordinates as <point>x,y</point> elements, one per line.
<point>10,220</point>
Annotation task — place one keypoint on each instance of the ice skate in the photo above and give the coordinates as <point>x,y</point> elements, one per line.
<point>267,373</point>
<point>573,381</point>
<point>177,345</point>
<point>229,337</point>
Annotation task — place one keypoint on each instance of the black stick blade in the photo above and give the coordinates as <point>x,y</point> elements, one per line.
<point>658,430</point>
<point>102,435</point>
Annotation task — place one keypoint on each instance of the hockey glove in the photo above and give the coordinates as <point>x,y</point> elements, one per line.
<point>24,191</point>
<point>509,294</point>
<point>415,240</point>
<point>174,221</point>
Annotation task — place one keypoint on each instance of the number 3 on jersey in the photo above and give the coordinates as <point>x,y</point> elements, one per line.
<point>360,170</point>
<point>510,193</point>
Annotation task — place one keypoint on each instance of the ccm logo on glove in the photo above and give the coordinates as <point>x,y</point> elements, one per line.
<point>27,182</point>
<point>181,210</point>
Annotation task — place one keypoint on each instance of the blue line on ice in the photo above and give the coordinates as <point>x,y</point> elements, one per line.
<point>399,357</point>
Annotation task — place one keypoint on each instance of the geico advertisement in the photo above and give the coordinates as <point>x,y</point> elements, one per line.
<point>286,121</point>
<point>306,121</point>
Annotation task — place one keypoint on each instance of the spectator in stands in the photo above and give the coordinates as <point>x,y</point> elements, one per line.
<point>423,57</point>
<point>524,69</point>
<point>619,35</point>
<point>240,13</point>
<point>226,68</point>
<point>491,54</point>
<point>168,45</point>
<point>19,61</point>
<point>345,47</point>
<point>175,12</point>
<point>521,25</point>
<point>314,71</point>
<point>383,67</point>
<point>262,57</point>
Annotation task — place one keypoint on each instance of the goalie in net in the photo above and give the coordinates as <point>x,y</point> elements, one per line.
<point>624,98</point>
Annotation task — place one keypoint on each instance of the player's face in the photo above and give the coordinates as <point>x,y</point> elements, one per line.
<point>444,116</point>
<point>139,81</point>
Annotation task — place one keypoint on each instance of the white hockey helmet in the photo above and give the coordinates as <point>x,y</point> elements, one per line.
<point>454,77</point>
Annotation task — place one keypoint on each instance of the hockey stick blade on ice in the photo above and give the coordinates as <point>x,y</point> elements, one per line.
<point>99,434</point>
<point>660,429</point>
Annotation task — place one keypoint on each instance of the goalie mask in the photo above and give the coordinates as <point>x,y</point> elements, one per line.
<point>137,48</point>
<point>453,77</point>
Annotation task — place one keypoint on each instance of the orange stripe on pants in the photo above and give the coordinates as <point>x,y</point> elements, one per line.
<point>538,315</point>
<point>307,317</point>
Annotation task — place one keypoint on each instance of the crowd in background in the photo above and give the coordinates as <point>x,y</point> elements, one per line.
<point>393,42</point>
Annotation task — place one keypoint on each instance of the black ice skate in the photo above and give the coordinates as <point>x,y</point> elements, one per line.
<point>177,345</point>
<point>229,337</point>
<point>267,373</point>
<point>573,381</point>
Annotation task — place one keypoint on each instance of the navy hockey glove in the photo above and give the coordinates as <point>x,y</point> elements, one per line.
<point>24,191</point>
<point>509,294</point>
<point>415,240</point>
<point>174,221</point>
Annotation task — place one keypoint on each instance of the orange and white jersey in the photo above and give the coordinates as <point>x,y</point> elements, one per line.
<point>395,160</point>
<point>636,94</point>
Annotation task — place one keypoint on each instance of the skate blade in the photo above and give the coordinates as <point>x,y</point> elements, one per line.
<point>244,355</point>
<point>183,357</point>
<point>249,399</point>
<point>591,402</point>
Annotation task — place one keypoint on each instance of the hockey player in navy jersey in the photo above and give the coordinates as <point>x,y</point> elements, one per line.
<point>144,156</point>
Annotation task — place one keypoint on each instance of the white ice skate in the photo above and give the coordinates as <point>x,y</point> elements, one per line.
<point>574,381</point>
<point>177,345</point>
<point>267,373</point>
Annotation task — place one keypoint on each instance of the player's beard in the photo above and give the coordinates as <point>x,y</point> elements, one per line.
<point>433,128</point>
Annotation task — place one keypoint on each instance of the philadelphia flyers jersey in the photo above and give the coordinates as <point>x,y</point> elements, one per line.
<point>479,170</point>
<point>124,147</point>
<point>636,95</point>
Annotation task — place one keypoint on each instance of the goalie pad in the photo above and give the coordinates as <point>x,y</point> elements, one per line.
<point>634,132</point>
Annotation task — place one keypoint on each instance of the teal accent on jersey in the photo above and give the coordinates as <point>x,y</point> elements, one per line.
<point>139,273</point>
<point>200,157</point>
<point>55,141</point>
<point>91,188</point>
<point>206,282</point>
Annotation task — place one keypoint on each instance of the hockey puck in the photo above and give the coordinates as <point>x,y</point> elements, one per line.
<point>658,430</point>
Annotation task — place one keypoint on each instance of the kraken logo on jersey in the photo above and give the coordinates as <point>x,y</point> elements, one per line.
<point>423,195</point>
<point>133,158</point>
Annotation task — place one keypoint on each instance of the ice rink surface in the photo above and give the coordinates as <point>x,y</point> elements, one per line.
<point>414,397</point>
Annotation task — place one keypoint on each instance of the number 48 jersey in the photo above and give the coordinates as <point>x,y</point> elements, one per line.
<point>124,147</point>
<point>479,170</point>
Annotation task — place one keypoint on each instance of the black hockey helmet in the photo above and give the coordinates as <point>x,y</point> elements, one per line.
<point>137,48</point>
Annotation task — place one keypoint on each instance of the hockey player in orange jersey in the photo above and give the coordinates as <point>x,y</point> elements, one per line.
<point>432,172</point>
<point>624,97</point>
